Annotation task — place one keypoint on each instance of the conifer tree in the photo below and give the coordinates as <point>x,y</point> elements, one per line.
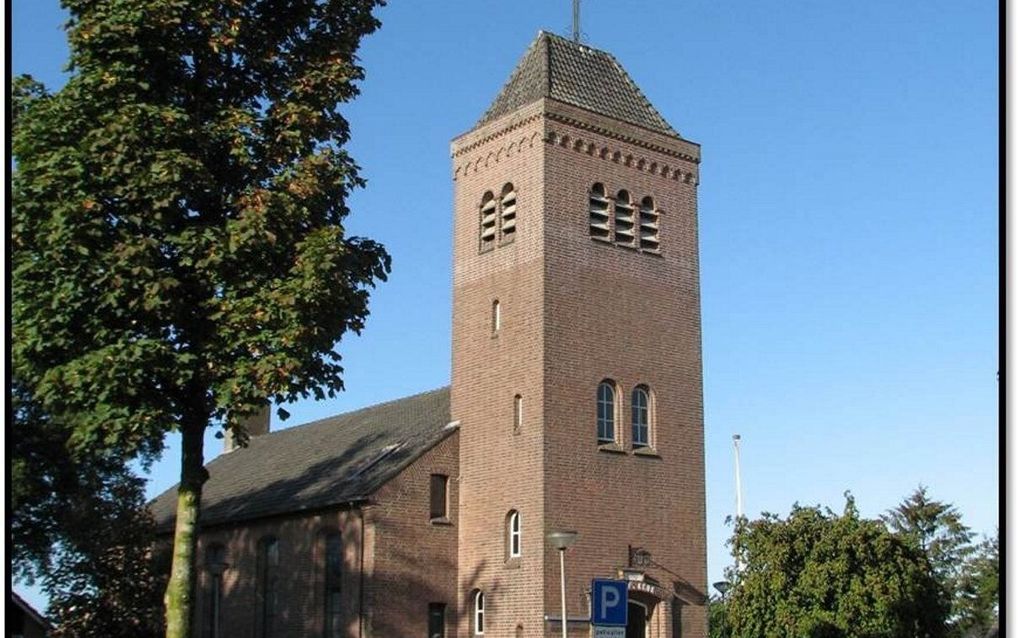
<point>936,528</point>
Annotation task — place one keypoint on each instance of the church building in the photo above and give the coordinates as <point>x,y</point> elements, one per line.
<point>575,405</point>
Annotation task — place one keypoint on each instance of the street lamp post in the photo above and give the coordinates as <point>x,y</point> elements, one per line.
<point>561,541</point>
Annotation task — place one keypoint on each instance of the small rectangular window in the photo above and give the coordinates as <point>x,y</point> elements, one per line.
<point>518,413</point>
<point>437,620</point>
<point>678,618</point>
<point>438,497</point>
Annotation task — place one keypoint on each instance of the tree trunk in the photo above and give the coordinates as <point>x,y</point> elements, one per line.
<point>180,591</point>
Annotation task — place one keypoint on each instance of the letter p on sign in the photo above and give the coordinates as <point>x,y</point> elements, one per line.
<point>610,599</point>
<point>610,603</point>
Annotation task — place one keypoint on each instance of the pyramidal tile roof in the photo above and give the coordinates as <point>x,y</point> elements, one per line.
<point>574,73</point>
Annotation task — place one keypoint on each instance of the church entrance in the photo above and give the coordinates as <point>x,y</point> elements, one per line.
<point>637,620</point>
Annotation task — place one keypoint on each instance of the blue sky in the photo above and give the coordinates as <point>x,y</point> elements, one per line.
<point>848,224</point>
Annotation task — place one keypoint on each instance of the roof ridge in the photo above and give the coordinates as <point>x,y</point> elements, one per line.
<point>353,412</point>
<point>577,74</point>
<point>517,70</point>
<point>313,468</point>
<point>648,103</point>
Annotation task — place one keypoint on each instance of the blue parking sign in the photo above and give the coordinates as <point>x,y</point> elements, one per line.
<point>609,603</point>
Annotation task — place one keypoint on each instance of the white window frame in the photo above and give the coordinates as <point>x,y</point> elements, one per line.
<point>513,534</point>
<point>479,615</point>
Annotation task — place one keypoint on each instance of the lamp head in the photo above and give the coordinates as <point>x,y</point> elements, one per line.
<point>562,539</point>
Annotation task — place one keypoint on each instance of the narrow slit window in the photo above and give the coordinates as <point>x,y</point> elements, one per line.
<point>334,573</point>
<point>216,563</point>
<point>508,214</point>
<point>513,534</point>
<point>640,410</point>
<point>649,225</point>
<point>623,219</point>
<point>267,568</point>
<point>598,212</point>
<point>518,413</point>
<point>497,317</point>
<point>479,613</point>
<point>606,408</point>
<point>488,221</point>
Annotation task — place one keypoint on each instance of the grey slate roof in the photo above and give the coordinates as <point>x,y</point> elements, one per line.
<point>335,460</point>
<point>579,75</point>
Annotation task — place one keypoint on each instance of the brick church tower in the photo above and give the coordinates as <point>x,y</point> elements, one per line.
<point>577,375</point>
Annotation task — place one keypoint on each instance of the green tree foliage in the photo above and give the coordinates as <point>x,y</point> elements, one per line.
<point>978,597</point>
<point>819,575</point>
<point>179,256</point>
<point>80,528</point>
<point>937,529</point>
<point>718,624</point>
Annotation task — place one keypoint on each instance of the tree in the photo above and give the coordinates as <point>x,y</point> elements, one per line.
<point>820,575</point>
<point>80,528</point>
<point>978,601</point>
<point>937,529</point>
<point>718,624</point>
<point>179,256</point>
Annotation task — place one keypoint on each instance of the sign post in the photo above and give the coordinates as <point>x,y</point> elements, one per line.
<point>609,608</point>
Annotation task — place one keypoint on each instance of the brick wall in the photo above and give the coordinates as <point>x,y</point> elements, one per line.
<point>301,586</point>
<point>407,562</point>
<point>614,312</point>
<point>575,311</point>
<point>499,468</point>
<point>413,559</point>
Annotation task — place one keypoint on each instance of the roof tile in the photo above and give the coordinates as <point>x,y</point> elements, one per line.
<point>327,462</point>
<point>574,73</point>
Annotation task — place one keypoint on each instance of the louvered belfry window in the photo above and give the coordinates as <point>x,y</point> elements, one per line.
<point>649,225</point>
<point>488,221</point>
<point>623,219</point>
<point>598,212</point>
<point>508,214</point>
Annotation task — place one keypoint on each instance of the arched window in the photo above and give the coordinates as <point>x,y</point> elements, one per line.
<point>479,613</point>
<point>216,564</point>
<point>640,416</point>
<point>508,214</point>
<point>513,534</point>
<point>497,317</point>
<point>598,212</point>
<point>267,568</point>
<point>333,546</point>
<point>649,222</point>
<point>488,222</point>
<point>518,413</point>
<point>606,408</point>
<point>623,219</point>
